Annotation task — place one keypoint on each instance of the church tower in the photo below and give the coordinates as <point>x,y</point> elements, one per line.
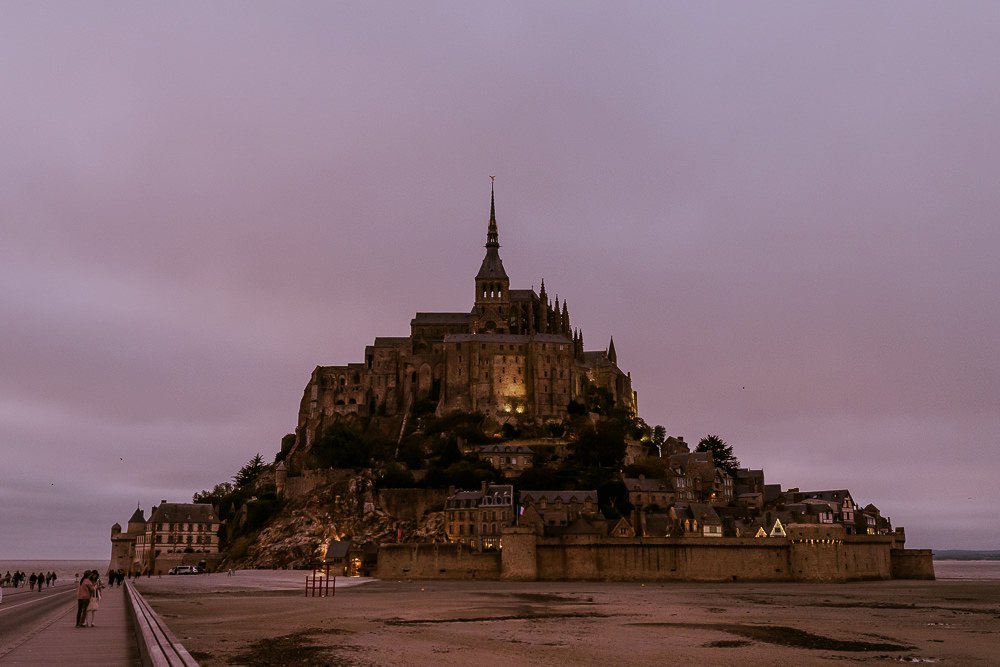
<point>491,313</point>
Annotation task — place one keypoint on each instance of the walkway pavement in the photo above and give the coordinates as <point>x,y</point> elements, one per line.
<point>110,642</point>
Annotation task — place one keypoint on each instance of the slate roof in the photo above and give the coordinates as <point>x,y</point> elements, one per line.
<point>138,516</point>
<point>705,513</point>
<point>190,512</point>
<point>492,266</point>
<point>506,338</point>
<point>658,525</point>
<point>565,496</point>
<point>505,449</point>
<point>441,318</point>
<point>338,549</point>
<point>392,341</point>
<point>522,294</point>
<point>646,484</point>
<point>834,495</point>
<point>581,527</point>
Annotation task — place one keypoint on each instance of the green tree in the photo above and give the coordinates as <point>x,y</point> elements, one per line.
<point>603,446</point>
<point>659,436</point>
<point>248,473</point>
<point>215,497</point>
<point>344,446</point>
<point>722,453</point>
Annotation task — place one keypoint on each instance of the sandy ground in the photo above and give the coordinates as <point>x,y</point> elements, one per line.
<point>250,620</point>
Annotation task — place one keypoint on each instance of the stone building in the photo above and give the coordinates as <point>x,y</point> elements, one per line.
<point>511,460</point>
<point>123,543</point>
<point>553,512</point>
<point>175,534</point>
<point>514,356</point>
<point>476,518</point>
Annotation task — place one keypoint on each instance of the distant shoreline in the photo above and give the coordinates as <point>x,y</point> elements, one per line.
<point>965,554</point>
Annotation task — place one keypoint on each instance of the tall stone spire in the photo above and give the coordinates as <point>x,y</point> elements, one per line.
<point>492,310</point>
<point>612,355</point>
<point>492,235</point>
<point>492,266</point>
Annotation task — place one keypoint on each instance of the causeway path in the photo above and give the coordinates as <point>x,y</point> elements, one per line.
<point>40,629</point>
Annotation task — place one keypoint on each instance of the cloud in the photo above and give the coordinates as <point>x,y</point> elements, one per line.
<point>201,204</point>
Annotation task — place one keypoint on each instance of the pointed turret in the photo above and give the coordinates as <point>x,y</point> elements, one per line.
<point>612,355</point>
<point>543,310</point>
<point>565,319</point>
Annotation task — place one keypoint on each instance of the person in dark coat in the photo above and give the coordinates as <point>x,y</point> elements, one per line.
<point>84,592</point>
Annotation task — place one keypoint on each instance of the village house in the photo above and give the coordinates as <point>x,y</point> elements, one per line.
<point>698,519</point>
<point>476,518</point>
<point>840,499</point>
<point>650,493</point>
<point>551,512</point>
<point>696,478</point>
<point>511,460</point>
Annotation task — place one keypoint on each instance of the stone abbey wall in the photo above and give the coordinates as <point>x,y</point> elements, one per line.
<point>527,557</point>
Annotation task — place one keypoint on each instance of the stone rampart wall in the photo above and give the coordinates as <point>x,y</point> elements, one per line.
<point>435,561</point>
<point>663,559</point>
<point>912,564</point>
<point>310,480</point>
<point>527,557</point>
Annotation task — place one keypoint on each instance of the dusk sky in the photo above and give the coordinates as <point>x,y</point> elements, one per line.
<point>787,214</point>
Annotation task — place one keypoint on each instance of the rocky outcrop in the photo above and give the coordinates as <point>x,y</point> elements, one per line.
<point>343,509</point>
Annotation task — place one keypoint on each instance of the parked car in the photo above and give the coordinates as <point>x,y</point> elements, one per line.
<point>183,569</point>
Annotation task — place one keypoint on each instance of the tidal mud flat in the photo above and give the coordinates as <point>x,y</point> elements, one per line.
<point>237,621</point>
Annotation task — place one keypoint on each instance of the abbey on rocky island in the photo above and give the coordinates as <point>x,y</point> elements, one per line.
<point>514,357</point>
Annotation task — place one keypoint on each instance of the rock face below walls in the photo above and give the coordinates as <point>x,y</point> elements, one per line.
<point>344,509</point>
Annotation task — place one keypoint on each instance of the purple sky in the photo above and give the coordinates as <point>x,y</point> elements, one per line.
<point>786,214</point>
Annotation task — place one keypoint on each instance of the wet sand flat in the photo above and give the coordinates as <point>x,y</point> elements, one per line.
<point>580,623</point>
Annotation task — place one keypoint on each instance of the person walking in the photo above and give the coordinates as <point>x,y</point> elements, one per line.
<point>84,591</point>
<point>95,600</point>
